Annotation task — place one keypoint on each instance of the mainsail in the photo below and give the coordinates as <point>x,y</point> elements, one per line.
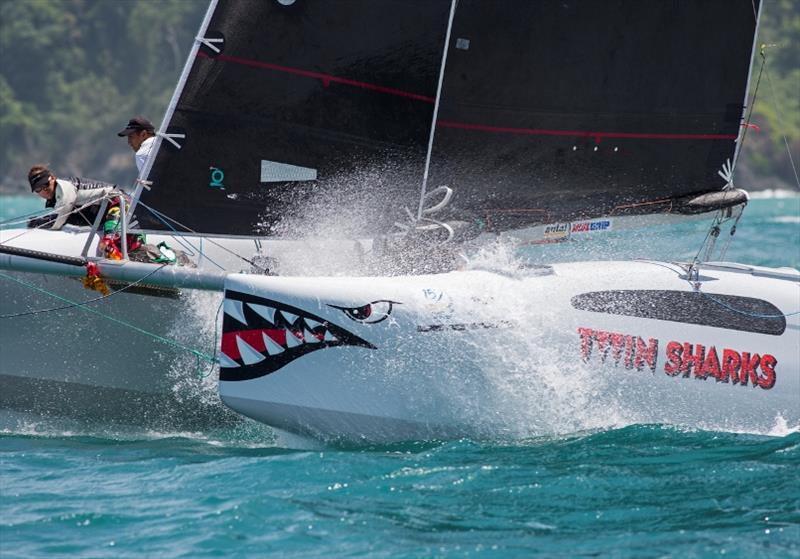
<point>549,110</point>
<point>300,100</point>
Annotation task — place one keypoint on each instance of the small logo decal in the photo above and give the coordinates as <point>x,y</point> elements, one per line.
<point>556,231</point>
<point>217,176</point>
<point>592,226</point>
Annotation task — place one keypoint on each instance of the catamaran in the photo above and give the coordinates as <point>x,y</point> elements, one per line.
<point>306,137</point>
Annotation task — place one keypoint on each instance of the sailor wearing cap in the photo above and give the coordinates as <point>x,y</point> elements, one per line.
<point>75,200</point>
<point>141,137</point>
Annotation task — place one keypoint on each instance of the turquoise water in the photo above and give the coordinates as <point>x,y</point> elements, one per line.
<point>71,490</point>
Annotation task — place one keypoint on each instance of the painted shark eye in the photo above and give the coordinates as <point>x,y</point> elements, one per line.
<point>372,313</point>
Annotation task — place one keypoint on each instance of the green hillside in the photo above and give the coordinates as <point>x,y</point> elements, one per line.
<point>74,71</point>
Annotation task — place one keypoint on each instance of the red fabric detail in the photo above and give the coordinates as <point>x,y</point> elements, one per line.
<point>598,136</point>
<point>326,79</point>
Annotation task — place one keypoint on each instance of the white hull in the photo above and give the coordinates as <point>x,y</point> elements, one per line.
<point>77,364</point>
<point>481,354</point>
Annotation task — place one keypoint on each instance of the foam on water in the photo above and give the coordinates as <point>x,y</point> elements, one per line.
<point>199,328</point>
<point>772,193</point>
<point>790,219</point>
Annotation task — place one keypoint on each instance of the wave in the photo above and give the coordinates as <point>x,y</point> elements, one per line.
<point>771,193</point>
<point>791,219</point>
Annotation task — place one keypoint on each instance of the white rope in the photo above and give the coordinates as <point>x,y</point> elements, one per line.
<point>51,221</point>
<point>436,107</point>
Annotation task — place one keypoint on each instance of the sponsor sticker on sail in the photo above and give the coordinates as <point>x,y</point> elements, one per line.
<point>556,231</point>
<point>591,226</point>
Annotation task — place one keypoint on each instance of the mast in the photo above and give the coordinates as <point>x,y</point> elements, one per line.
<point>742,130</point>
<point>162,132</point>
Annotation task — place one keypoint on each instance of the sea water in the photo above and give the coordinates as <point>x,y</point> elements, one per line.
<point>609,489</point>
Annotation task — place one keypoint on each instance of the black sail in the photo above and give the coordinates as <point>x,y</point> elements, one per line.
<point>559,110</point>
<point>550,110</point>
<point>320,93</point>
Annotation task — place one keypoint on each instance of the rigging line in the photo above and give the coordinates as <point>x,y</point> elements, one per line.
<point>704,294</point>
<point>715,223</point>
<point>51,221</point>
<point>24,217</point>
<point>183,242</point>
<point>744,313</point>
<point>780,117</point>
<point>215,346</point>
<point>207,239</point>
<point>436,108</point>
<point>665,266</point>
<point>167,341</point>
<point>190,247</point>
<point>88,301</point>
<point>752,108</point>
<point>731,233</point>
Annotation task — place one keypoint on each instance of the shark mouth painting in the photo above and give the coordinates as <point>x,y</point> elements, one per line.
<point>259,336</point>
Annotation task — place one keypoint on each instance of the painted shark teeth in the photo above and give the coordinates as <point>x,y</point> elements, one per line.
<point>261,336</point>
<point>227,362</point>
<point>268,313</point>
<point>288,317</point>
<point>250,355</point>
<point>273,348</point>
<point>234,309</point>
<point>292,340</point>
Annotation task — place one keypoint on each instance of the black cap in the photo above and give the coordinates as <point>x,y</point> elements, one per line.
<point>136,124</point>
<point>38,180</point>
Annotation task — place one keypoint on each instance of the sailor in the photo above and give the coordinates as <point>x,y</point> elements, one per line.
<point>75,200</point>
<point>141,137</point>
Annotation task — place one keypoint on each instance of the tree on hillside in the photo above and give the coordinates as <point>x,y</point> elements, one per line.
<point>771,152</point>
<point>74,71</point>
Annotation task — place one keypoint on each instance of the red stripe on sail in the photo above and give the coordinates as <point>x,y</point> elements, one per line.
<point>598,136</point>
<point>326,79</point>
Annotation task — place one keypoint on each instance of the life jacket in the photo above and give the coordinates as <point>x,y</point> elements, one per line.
<point>110,245</point>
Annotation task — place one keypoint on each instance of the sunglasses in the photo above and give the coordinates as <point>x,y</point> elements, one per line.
<point>39,189</point>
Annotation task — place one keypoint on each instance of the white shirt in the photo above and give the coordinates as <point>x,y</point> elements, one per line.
<point>143,153</point>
